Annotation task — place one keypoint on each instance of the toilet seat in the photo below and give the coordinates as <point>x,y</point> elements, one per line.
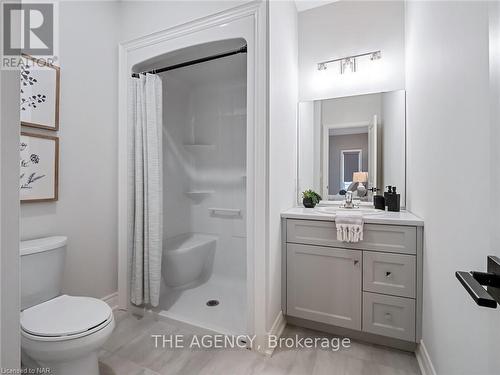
<point>65,318</point>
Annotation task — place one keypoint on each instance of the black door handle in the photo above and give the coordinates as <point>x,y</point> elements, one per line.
<point>473,282</point>
<point>476,291</point>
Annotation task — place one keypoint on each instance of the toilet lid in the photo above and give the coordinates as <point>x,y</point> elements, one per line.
<point>64,316</point>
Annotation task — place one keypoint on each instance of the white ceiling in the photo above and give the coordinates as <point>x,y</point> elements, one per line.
<point>310,4</point>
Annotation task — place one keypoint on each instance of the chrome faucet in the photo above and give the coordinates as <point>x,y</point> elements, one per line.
<point>348,200</point>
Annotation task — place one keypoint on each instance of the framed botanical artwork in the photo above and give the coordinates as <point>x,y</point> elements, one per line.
<point>39,167</point>
<point>39,96</point>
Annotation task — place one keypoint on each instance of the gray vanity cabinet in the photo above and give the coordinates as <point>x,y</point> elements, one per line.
<point>324,284</point>
<point>372,287</point>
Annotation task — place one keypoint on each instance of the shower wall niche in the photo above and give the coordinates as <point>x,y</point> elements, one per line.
<point>204,175</point>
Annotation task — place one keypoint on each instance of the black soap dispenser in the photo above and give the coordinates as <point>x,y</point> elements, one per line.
<point>387,193</point>
<point>392,199</point>
<point>378,200</point>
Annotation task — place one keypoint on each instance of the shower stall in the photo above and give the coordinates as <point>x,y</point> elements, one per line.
<point>208,266</point>
<point>204,170</point>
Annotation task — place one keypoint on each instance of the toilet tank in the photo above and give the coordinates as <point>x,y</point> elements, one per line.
<point>42,265</point>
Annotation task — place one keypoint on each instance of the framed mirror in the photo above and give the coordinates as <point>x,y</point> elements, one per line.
<point>355,143</point>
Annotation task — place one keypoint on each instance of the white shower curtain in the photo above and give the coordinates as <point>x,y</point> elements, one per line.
<point>145,187</point>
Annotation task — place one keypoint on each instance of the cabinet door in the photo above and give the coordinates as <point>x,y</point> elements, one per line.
<point>324,284</point>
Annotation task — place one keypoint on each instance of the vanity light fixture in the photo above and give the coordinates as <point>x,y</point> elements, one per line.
<point>348,63</point>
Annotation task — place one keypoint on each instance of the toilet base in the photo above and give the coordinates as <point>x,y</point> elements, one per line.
<point>87,365</point>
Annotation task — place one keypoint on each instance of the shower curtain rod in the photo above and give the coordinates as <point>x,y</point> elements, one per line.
<point>193,62</point>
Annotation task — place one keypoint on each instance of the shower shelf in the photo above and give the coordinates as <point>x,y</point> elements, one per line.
<point>195,193</point>
<point>199,146</point>
<point>225,211</point>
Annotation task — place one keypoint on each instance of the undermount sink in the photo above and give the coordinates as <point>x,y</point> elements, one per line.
<point>334,209</point>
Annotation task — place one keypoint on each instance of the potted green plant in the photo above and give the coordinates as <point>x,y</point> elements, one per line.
<point>310,198</point>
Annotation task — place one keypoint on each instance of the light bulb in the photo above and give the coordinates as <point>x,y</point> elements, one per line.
<point>321,66</point>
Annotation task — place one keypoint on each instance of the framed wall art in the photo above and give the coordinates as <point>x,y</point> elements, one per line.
<point>39,167</point>
<point>39,96</point>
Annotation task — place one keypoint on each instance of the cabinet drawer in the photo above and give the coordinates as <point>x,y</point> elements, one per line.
<point>324,284</point>
<point>389,316</point>
<point>389,273</point>
<point>388,238</point>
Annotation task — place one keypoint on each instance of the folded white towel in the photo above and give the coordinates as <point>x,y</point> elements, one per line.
<point>349,226</point>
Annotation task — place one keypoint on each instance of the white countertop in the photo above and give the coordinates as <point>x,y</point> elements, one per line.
<point>384,217</point>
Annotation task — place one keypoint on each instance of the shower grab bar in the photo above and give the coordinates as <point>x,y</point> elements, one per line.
<point>225,211</point>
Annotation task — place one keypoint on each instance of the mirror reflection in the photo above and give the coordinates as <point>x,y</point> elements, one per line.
<point>352,144</point>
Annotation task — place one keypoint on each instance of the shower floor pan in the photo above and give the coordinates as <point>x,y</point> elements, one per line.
<point>190,305</point>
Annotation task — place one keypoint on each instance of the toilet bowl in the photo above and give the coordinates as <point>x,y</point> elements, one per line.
<point>65,334</point>
<point>61,334</point>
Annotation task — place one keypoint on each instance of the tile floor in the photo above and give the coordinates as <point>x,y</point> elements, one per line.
<point>131,351</point>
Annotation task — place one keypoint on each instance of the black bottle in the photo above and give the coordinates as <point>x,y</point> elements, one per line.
<point>386,193</point>
<point>379,202</point>
<point>392,200</point>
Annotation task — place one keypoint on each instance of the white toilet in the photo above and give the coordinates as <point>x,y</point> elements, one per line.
<point>60,332</point>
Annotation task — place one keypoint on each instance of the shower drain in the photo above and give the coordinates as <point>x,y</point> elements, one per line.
<point>212,302</point>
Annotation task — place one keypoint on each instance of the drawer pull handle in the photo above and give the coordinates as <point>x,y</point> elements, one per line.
<point>388,316</point>
<point>388,274</point>
<point>356,262</point>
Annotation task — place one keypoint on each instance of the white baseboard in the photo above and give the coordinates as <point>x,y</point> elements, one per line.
<point>112,300</point>
<point>424,360</point>
<point>278,325</point>
<point>276,330</point>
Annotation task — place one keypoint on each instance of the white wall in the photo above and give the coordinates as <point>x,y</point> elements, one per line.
<point>86,209</point>
<point>9,219</point>
<point>449,142</point>
<point>306,147</point>
<point>494,15</point>
<point>347,28</point>
<point>359,108</point>
<point>309,147</point>
<point>393,139</point>
<point>283,86</point>
<point>138,18</point>
<point>10,348</point>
